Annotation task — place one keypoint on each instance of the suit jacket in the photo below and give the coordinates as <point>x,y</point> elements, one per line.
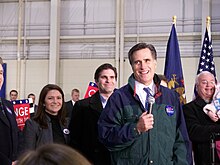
<point>8,133</point>
<point>200,127</point>
<point>84,131</point>
<point>69,108</point>
<point>35,136</point>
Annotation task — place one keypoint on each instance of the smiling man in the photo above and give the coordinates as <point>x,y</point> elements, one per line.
<point>132,134</point>
<point>86,112</point>
<point>199,125</point>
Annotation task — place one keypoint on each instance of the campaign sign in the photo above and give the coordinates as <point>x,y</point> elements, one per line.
<point>22,111</point>
<point>217,104</point>
<point>92,88</point>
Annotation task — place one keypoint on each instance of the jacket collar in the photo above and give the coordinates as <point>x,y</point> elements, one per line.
<point>131,82</point>
<point>200,102</point>
<point>95,102</point>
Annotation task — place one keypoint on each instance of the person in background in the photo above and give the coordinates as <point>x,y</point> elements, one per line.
<point>69,104</point>
<point>86,112</point>
<point>199,125</point>
<point>13,95</point>
<point>31,95</point>
<point>49,125</point>
<point>163,80</point>
<point>52,154</point>
<point>139,132</point>
<point>8,129</point>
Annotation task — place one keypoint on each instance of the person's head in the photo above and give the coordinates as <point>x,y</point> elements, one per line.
<point>143,60</point>
<point>51,100</point>
<point>13,94</point>
<point>105,78</point>
<point>205,85</point>
<point>75,94</point>
<point>1,74</point>
<point>53,154</point>
<point>163,80</point>
<point>31,95</point>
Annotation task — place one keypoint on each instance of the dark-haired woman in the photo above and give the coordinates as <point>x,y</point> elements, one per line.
<point>49,125</point>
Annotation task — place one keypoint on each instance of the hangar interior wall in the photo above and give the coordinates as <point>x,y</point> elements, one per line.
<point>92,32</point>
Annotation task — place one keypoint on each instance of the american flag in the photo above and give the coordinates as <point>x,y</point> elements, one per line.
<point>206,62</point>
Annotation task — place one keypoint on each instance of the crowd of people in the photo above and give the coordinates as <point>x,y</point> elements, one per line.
<point>114,126</point>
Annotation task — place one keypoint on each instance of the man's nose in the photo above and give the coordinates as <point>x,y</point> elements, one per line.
<point>107,79</point>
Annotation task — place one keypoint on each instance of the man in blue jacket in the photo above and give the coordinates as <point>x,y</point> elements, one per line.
<point>132,134</point>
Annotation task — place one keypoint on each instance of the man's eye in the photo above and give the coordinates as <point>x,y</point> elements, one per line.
<point>137,62</point>
<point>208,82</point>
<point>204,82</point>
<point>212,82</point>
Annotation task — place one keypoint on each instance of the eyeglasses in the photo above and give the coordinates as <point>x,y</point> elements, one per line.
<point>205,82</point>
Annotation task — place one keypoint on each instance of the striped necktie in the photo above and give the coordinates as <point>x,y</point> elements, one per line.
<point>147,90</point>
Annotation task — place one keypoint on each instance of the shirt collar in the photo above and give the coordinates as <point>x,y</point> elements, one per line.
<point>73,102</point>
<point>103,100</point>
<point>139,87</point>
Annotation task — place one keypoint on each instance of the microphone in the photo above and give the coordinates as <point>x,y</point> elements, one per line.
<point>151,101</point>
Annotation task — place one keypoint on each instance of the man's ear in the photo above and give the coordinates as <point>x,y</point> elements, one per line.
<point>196,87</point>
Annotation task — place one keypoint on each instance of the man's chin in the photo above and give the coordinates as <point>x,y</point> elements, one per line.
<point>109,91</point>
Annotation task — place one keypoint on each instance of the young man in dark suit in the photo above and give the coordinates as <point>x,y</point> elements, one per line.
<point>86,112</point>
<point>8,129</point>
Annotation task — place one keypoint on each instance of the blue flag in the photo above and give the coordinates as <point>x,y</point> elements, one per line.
<point>173,66</point>
<point>3,89</point>
<point>206,62</point>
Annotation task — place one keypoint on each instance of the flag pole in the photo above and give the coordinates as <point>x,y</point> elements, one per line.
<point>208,26</point>
<point>208,20</point>
<point>174,20</point>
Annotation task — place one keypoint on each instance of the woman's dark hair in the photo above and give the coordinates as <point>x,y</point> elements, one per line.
<point>52,154</point>
<point>40,116</point>
<point>104,67</point>
<point>140,46</point>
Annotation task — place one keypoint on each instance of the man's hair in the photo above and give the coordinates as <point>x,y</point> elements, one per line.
<point>104,67</point>
<point>75,90</point>
<point>140,46</point>
<point>31,94</point>
<point>13,90</point>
